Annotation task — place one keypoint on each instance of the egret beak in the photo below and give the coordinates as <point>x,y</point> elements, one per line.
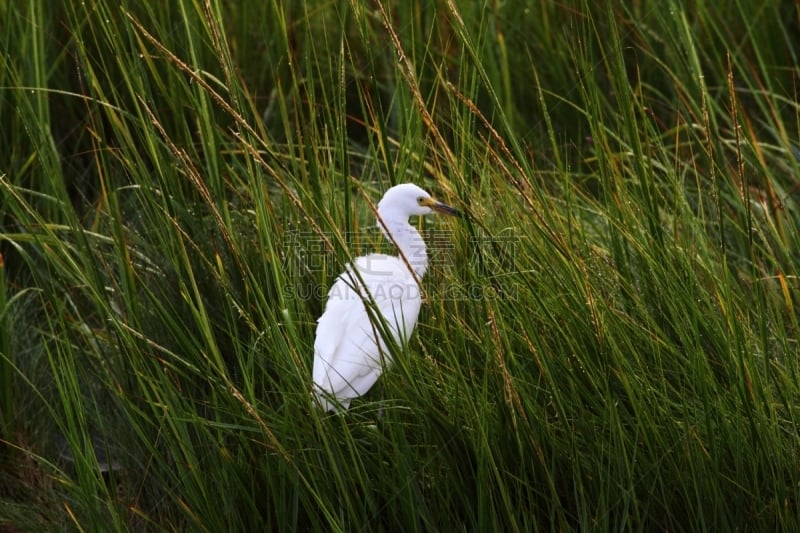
<point>441,208</point>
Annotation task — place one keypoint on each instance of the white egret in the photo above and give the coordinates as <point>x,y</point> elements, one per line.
<point>349,351</point>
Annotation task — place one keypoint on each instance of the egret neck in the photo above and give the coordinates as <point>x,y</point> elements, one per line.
<point>407,239</point>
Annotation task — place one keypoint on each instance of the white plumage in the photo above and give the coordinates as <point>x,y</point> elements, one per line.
<point>349,351</point>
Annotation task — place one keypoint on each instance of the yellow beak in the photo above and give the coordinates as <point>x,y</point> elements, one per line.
<point>441,208</point>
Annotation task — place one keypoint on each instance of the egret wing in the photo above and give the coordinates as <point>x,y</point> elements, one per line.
<point>349,350</point>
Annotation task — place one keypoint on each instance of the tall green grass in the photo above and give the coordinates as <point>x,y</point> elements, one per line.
<point>609,339</point>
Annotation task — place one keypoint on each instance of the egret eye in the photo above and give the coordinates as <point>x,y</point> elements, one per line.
<point>420,200</point>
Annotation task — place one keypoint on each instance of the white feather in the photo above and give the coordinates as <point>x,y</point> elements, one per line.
<point>349,352</point>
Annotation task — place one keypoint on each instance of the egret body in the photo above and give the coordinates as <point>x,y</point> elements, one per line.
<point>350,352</point>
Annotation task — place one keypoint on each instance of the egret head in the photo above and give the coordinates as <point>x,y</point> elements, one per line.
<point>405,200</point>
